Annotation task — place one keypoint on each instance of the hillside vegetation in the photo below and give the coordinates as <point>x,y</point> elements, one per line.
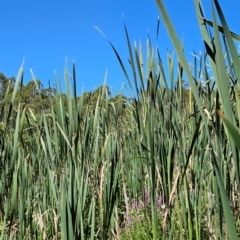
<point>163,164</point>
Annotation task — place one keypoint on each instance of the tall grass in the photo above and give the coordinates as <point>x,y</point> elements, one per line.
<point>164,165</point>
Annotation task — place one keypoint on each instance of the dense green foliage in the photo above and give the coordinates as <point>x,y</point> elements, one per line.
<point>161,165</point>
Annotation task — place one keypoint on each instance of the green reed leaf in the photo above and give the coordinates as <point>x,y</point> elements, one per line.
<point>232,129</point>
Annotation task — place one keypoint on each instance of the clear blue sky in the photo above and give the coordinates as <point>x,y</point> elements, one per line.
<point>44,32</point>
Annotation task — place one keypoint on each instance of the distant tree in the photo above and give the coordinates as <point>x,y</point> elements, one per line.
<point>120,102</point>
<point>34,96</point>
<point>4,84</point>
<point>90,98</point>
<point>98,93</point>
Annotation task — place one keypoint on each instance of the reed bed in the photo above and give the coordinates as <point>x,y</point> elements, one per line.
<point>161,165</point>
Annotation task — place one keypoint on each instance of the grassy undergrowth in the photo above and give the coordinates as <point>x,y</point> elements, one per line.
<point>168,168</point>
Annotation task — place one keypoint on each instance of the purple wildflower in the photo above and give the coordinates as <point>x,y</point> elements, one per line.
<point>146,197</point>
<point>133,205</point>
<point>129,221</point>
<point>160,201</point>
<point>140,204</point>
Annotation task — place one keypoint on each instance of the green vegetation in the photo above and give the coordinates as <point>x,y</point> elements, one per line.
<point>161,165</point>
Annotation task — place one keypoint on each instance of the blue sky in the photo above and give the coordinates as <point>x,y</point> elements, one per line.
<point>45,32</point>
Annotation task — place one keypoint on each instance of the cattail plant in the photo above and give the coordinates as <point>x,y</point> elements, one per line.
<point>162,164</point>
